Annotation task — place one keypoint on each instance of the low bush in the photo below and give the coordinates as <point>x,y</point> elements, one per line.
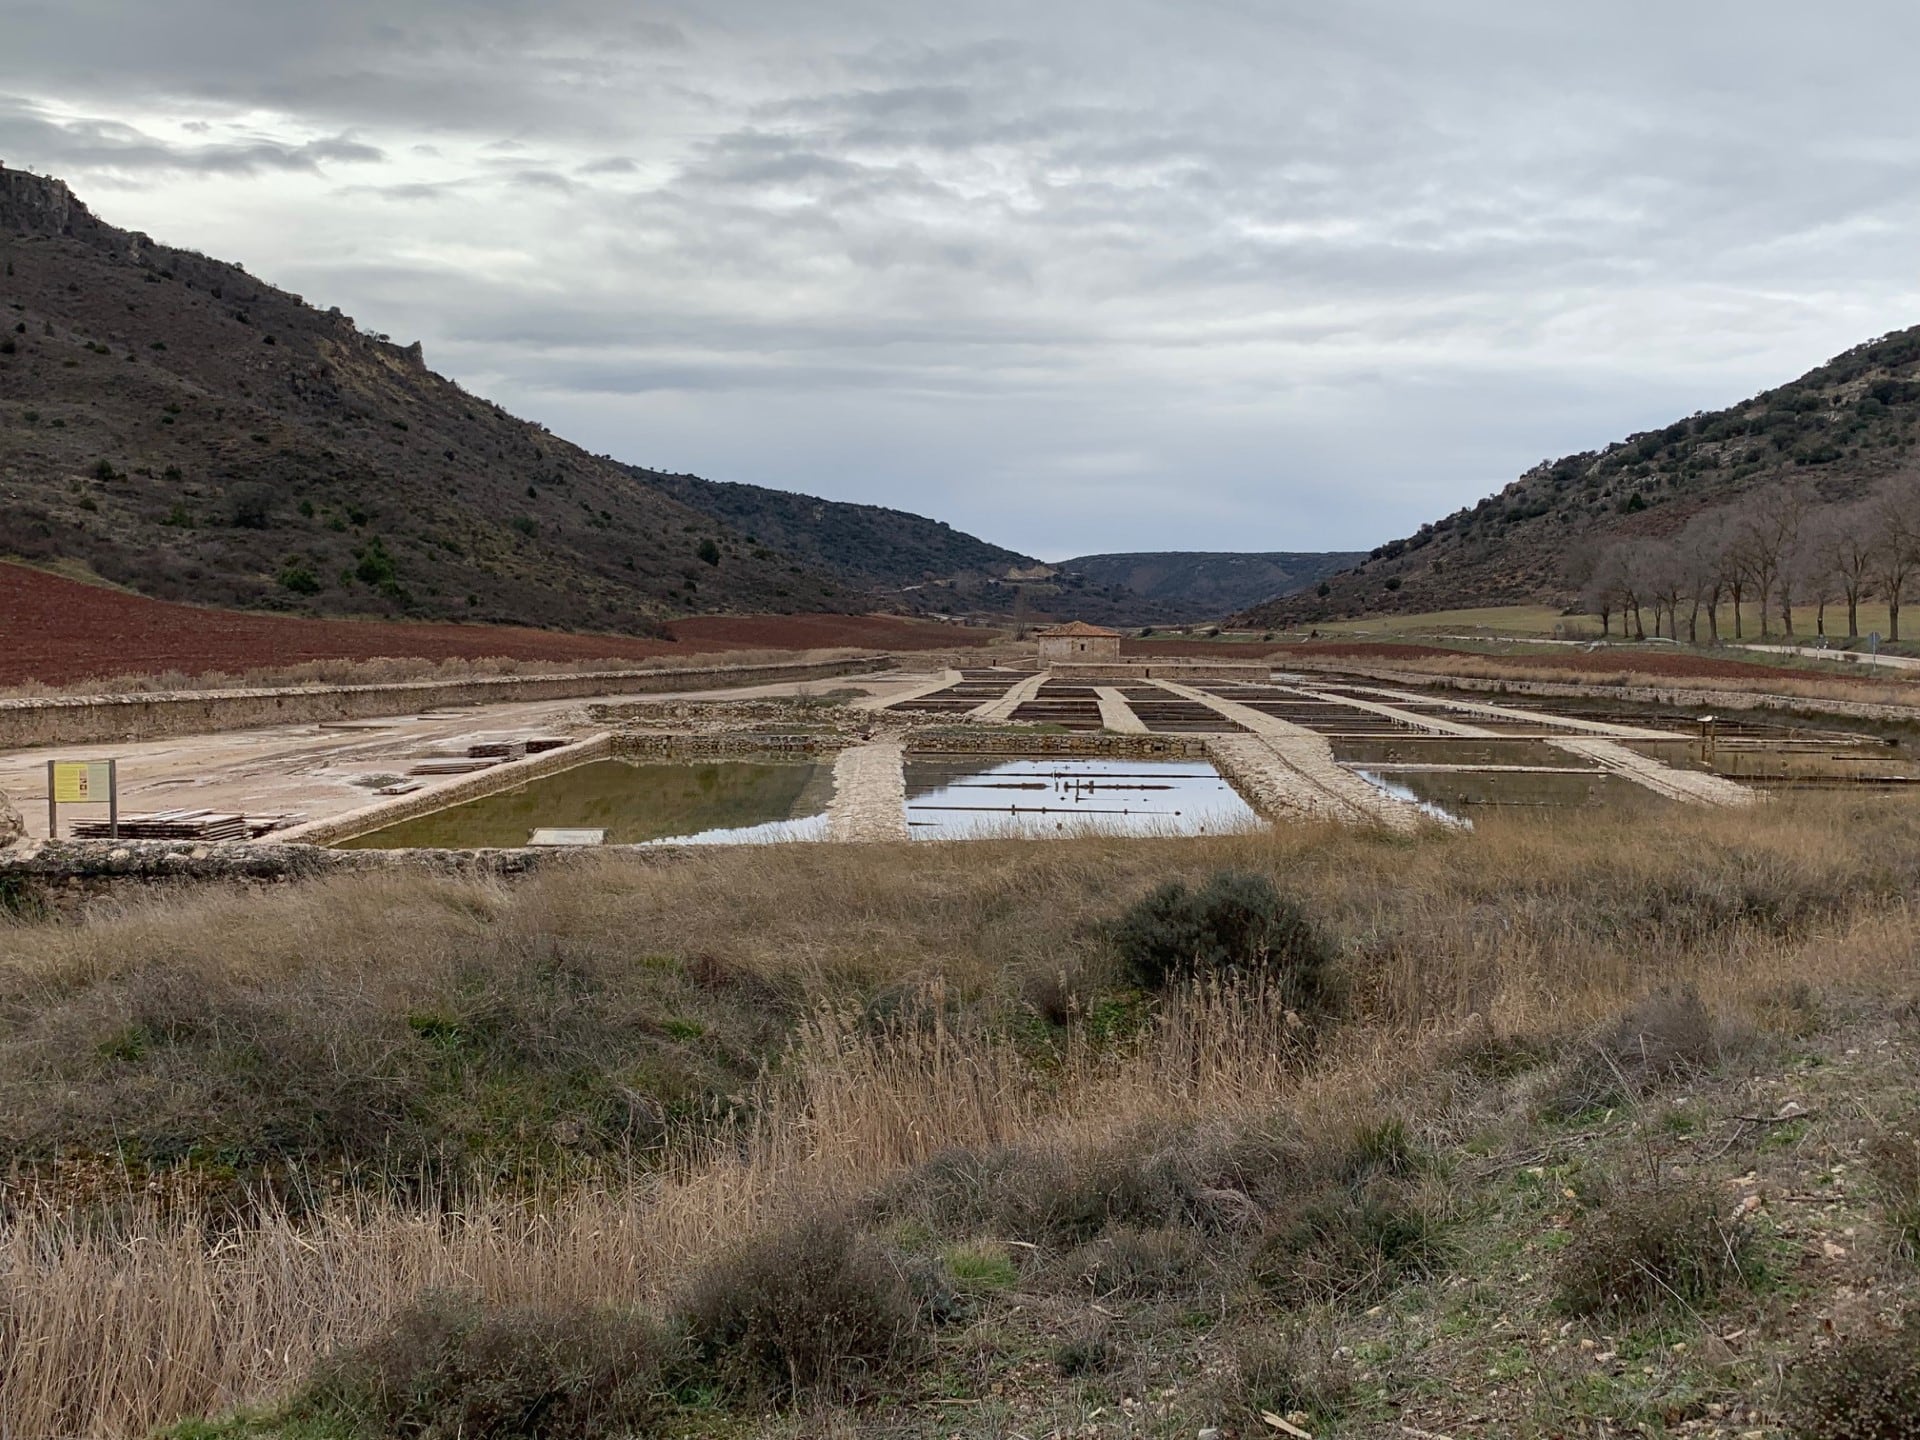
<point>1865,1388</point>
<point>1282,1370</point>
<point>1130,1263</point>
<point>812,1310</point>
<point>1668,1035</point>
<point>1234,922</point>
<point>1645,1247</point>
<point>1665,1036</point>
<point>1893,1159</point>
<point>1086,1348</point>
<point>1348,1246</point>
<point>452,1367</point>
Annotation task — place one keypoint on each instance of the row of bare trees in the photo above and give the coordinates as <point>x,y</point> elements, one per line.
<point>1781,550</point>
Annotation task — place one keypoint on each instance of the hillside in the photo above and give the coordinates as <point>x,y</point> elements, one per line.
<point>193,433</point>
<point>927,565</point>
<point>1201,584</point>
<point>909,561</point>
<point>1840,430</point>
<point>867,543</point>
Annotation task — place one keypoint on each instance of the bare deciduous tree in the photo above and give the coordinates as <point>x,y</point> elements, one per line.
<point>1846,541</point>
<point>1896,549</point>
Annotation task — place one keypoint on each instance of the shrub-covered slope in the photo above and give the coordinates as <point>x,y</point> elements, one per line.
<point>1202,585</point>
<point>197,434</point>
<point>1841,430</point>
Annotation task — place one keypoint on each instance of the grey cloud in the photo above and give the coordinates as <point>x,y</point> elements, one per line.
<point>961,258</point>
<point>107,144</point>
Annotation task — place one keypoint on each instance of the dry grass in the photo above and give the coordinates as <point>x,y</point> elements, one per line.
<point>900,976</point>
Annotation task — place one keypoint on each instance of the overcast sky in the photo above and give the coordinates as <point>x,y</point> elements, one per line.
<point>1075,275</point>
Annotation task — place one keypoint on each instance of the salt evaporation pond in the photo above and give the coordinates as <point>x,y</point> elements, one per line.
<point>967,797</point>
<point>701,802</point>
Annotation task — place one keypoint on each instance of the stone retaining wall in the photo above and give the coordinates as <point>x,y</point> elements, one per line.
<point>334,828</point>
<point>1013,742</point>
<point>676,747</point>
<point>105,719</point>
<point>1244,672</point>
<point>62,877</point>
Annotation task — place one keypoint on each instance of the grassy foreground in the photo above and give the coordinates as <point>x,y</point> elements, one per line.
<point>1584,1128</point>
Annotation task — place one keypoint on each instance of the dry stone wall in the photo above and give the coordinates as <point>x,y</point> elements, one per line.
<point>101,719</point>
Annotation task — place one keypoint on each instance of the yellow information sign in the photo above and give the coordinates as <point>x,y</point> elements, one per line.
<point>82,782</point>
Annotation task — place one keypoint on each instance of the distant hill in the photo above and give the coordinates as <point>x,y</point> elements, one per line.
<point>1841,431</point>
<point>864,544</point>
<point>193,433</point>
<point>928,565</point>
<point>909,561</point>
<point>1202,584</point>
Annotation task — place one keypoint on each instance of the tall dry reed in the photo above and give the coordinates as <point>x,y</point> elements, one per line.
<point>113,1328</point>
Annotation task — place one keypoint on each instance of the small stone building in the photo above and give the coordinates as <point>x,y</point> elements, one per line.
<point>1079,644</point>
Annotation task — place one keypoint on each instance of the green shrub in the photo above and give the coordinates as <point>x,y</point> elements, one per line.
<point>300,580</point>
<point>375,567</point>
<point>981,1266</point>
<point>815,1309</point>
<point>1232,922</point>
<point>1645,1247</point>
<point>452,1367</point>
<point>1865,1388</point>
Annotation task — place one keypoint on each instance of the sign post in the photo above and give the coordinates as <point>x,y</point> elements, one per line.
<point>83,782</point>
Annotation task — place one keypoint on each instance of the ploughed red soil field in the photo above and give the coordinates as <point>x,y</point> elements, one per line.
<point>57,631</point>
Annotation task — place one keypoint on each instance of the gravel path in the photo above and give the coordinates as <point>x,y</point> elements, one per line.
<point>1694,787</point>
<point>1003,708</point>
<point>1433,724</point>
<point>890,699</point>
<point>869,793</point>
<point>1533,717</point>
<point>1116,715</point>
<point>1288,769</point>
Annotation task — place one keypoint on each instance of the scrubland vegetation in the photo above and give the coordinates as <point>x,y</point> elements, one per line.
<point>1562,1126</point>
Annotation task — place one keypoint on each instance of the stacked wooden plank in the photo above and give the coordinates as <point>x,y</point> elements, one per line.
<point>498,750</point>
<point>186,825</point>
<point>168,825</point>
<point>451,765</point>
